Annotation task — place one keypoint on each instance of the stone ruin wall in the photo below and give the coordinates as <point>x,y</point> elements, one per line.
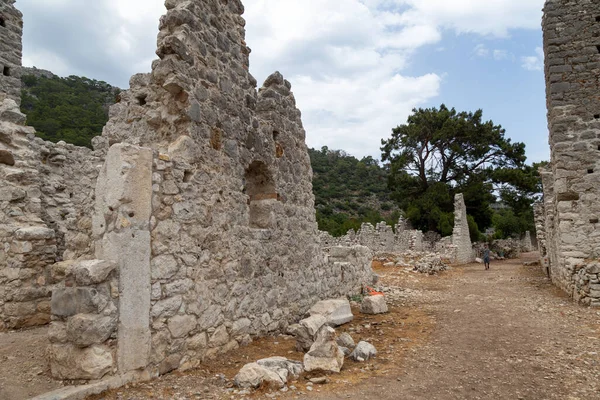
<point>383,239</point>
<point>205,207</point>
<point>572,67</point>
<point>46,198</point>
<point>11,31</point>
<point>380,238</point>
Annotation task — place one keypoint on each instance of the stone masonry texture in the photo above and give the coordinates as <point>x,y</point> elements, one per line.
<point>11,30</point>
<point>572,185</point>
<point>204,203</point>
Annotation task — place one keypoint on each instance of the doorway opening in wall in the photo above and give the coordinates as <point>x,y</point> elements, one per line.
<point>262,193</point>
<point>2,22</point>
<point>6,71</point>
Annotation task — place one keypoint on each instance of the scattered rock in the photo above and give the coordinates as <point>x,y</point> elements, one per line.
<point>374,305</point>
<point>254,375</point>
<point>363,351</point>
<point>337,312</point>
<point>345,340</point>
<point>324,354</point>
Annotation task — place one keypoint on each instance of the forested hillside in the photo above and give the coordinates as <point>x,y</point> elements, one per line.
<point>349,191</point>
<point>73,109</point>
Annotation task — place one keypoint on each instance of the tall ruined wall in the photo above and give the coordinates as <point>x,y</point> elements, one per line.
<point>11,30</point>
<point>46,198</point>
<point>233,247</point>
<point>571,30</point>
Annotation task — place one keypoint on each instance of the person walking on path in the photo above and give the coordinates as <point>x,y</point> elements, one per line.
<point>486,257</point>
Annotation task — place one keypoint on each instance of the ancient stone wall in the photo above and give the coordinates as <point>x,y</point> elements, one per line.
<point>572,67</point>
<point>205,201</point>
<point>45,201</point>
<point>11,30</point>
<point>380,238</point>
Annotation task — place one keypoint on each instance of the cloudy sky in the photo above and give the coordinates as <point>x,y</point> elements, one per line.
<point>357,67</point>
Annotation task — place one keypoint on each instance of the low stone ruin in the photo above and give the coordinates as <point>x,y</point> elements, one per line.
<point>187,230</point>
<point>382,239</point>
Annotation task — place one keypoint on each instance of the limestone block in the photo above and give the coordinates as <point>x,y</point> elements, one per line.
<point>363,351</point>
<point>60,270</point>
<point>374,305</point>
<point>337,312</point>
<point>93,271</point>
<point>70,362</point>
<point>84,330</point>
<point>254,375</point>
<point>35,233</point>
<point>219,338</point>
<point>181,325</point>
<point>324,354</point>
<point>164,267</point>
<point>240,327</point>
<point>69,301</point>
<point>57,332</point>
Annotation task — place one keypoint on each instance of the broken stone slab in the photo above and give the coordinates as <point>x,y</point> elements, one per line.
<point>324,354</point>
<point>91,272</point>
<point>345,340</point>
<point>294,368</point>
<point>363,351</point>
<point>254,375</point>
<point>336,311</point>
<point>83,330</point>
<point>70,362</point>
<point>313,324</point>
<point>374,305</point>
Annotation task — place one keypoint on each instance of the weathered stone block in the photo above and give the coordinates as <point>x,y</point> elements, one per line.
<point>69,301</point>
<point>84,330</point>
<point>70,362</point>
<point>374,305</point>
<point>93,271</point>
<point>181,325</point>
<point>336,312</point>
<point>35,233</point>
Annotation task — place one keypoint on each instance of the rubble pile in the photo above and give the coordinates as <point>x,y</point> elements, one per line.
<point>423,262</point>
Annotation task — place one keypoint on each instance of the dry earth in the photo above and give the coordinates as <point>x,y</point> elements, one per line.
<point>506,333</point>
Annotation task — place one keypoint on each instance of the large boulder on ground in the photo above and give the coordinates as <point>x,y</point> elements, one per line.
<point>324,354</point>
<point>363,351</point>
<point>336,311</point>
<point>374,305</point>
<point>254,375</point>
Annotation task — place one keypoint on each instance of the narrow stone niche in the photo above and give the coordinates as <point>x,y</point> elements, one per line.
<point>2,21</point>
<point>6,71</point>
<point>260,187</point>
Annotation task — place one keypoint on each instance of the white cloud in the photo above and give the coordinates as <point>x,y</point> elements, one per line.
<point>535,62</point>
<point>500,55</point>
<point>481,51</point>
<point>346,59</point>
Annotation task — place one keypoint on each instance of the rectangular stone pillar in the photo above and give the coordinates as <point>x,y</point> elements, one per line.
<point>122,231</point>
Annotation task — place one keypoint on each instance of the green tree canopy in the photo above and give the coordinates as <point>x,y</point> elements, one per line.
<point>441,152</point>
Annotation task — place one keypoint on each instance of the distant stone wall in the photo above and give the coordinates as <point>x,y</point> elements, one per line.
<point>380,238</point>
<point>11,30</point>
<point>571,31</point>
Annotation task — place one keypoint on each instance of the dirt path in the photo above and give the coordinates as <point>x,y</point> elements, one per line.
<point>501,334</point>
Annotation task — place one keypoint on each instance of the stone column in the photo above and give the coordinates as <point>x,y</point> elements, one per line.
<point>460,235</point>
<point>122,231</point>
